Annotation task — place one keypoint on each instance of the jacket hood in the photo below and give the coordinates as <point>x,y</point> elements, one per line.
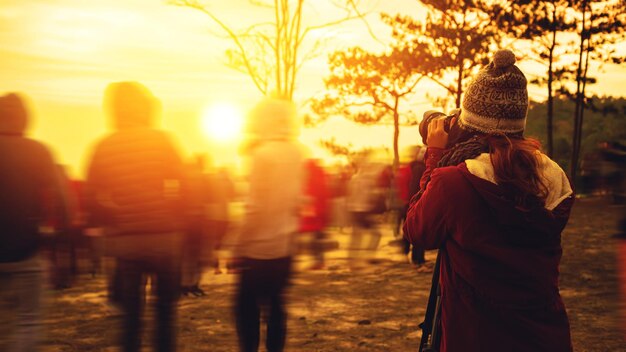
<point>527,226</point>
<point>130,105</point>
<point>553,176</point>
<point>13,114</point>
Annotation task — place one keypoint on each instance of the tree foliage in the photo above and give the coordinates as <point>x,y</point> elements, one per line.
<point>601,27</point>
<point>605,122</point>
<point>542,21</point>
<point>347,152</point>
<point>460,33</point>
<point>368,88</point>
<point>376,81</point>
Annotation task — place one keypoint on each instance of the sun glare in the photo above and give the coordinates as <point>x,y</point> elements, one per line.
<point>222,122</point>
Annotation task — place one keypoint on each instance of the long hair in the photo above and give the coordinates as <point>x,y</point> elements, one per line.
<point>516,163</point>
<point>515,160</point>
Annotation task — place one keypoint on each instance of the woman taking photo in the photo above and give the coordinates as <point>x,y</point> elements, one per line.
<point>496,207</point>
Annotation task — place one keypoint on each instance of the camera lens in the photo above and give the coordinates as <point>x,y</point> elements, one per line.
<point>446,124</point>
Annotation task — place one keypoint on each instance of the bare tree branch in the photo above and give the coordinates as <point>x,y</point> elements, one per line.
<point>196,5</point>
<point>361,16</point>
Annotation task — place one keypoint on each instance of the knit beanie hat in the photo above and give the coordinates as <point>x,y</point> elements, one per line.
<point>496,101</point>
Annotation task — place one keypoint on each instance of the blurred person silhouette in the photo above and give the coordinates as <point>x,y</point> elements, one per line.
<point>615,153</point>
<point>416,169</point>
<point>339,191</point>
<point>620,237</point>
<point>401,195</point>
<point>590,168</point>
<point>613,157</point>
<point>197,230</point>
<point>222,192</point>
<point>30,198</point>
<point>78,230</point>
<point>385,186</point>
<point>63,249</point>
<point>314,217</point>
<point>135,192</point>
<point>76,235</point>
<point>265,247</point>
<point>366,199</point>
<point>225,193</point>
<point>495,206</point>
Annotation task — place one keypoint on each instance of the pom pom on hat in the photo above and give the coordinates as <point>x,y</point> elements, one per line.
<point>503,58</point>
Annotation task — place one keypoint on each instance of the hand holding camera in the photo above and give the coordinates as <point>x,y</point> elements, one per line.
<point>435,126</point>
<point>437,136</point>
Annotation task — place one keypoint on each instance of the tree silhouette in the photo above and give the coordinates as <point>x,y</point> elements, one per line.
<point>602,26</point>
<point>461,33</point>
<point>540,21</point>
<point>368,87</point>
<point>604,122</point>
<point>344,151</point>
<point>272,53</point>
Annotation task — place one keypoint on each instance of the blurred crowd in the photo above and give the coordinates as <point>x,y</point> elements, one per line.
<point>603,171</point>
<point>144,217</point>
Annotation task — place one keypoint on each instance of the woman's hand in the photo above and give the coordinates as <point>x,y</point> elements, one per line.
<point>437,136</point>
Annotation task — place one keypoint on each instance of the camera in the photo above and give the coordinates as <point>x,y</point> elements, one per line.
<point>432,115</point>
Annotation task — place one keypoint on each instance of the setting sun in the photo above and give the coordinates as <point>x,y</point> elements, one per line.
<point>222,122</point>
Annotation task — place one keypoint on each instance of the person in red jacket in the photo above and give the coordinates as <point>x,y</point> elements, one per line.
<point>314,216</point>
<point>496,207</point>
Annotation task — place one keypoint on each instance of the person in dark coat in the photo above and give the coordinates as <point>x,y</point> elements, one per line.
<point>135,191</point>
<point>30,196</point>
<point>402,179</point>
<point>496,207</point>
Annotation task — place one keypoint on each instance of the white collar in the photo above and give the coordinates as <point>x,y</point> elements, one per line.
<point>554,177</point>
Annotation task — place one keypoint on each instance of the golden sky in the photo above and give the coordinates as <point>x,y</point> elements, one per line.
<point>63,53</point>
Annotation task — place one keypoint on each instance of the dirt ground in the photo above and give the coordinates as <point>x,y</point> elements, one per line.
<point>377,308</point>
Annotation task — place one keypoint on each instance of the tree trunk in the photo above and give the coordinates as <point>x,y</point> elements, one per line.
<point>396,134</point>
<point>461,59</point>
<point>295,38</point>
<point>278,12</point>
<point>581,111</point>
<point>576,139</point>
<point>549,127</point>
<point>459,84</point>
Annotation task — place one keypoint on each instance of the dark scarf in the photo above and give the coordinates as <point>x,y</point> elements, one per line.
<point>457,154</point>
<point>460,152</point>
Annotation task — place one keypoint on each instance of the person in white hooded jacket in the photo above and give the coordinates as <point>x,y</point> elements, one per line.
<point>265,245</point>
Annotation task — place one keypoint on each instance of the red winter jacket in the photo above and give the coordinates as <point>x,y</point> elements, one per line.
<point>403,180</point>
<point>315,214</point>
<point>499,265</point>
